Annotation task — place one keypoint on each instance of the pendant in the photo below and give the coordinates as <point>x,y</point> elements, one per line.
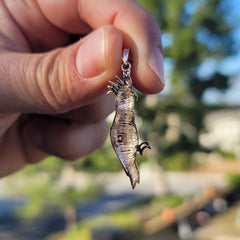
<point>124,134</point>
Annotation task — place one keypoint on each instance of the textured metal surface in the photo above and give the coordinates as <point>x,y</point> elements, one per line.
<point>124,133</point>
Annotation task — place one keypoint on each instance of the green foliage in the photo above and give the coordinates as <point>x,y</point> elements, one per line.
<point>168,201</point>
<point>227,155</point>
<point>76,234</point>
<point>81,233</point>
<point>52,164</point>
<point>37,202</point>
<point>45,197</point>
<point>50,186</point>
<point>130,220</point>
<point>233,182</point>
<point>103,159</point>
<point>124,220</point>
<point>193,31</point>
<point>172,126</point>
<point>178,162</point>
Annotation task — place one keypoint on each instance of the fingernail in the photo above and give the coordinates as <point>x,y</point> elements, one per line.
<point>90,61</point>
<point>156,63</point>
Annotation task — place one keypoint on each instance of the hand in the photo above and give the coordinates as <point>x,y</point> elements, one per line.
<point>52,91</point>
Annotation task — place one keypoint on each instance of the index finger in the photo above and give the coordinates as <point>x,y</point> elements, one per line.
<point>141,33</point>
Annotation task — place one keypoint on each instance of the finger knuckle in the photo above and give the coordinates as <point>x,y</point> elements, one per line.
<point>53,84</point>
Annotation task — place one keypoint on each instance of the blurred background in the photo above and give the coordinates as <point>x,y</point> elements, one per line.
<point>190,180</point>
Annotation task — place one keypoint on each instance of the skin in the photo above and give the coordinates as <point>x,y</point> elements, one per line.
<point>52,91</point>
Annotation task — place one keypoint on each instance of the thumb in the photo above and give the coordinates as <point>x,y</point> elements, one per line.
<point>62,79</point>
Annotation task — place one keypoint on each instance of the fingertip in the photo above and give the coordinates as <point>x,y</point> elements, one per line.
<point>82,140</point>
<point>147,79</point>
<point>155,62</point>
<point>90,56</point>
<point>113,48</point>
<point>99,55</point>
<point>99,69</point>
<point>69,141</point>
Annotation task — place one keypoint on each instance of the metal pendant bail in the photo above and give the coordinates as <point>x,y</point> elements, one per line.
<point>125,56</point>
<point>126,66</point>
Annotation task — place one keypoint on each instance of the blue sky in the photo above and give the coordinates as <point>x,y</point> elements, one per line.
<point>229,66</point>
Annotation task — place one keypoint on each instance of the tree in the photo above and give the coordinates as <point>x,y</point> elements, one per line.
<point>50,186</point>
<point>193,32</point>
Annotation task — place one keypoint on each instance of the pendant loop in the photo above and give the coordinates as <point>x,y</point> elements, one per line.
<point>125,56</point>
<point>126,66</point>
